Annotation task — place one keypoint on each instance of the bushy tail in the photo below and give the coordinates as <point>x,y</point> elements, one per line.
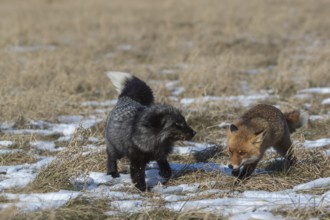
<point>130,86</point>
<point>296,119</point>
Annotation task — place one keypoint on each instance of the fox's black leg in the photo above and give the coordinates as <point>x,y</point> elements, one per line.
<point>247,170</point>
<point>112,163</point>
<point>285,149</point>
<point>164,168</point>
<point>137,170</point>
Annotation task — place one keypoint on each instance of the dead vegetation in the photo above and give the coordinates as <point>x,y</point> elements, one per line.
<point>54,55</point>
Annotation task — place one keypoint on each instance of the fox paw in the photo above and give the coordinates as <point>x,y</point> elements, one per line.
<point>114,174</point>
<point>235,173</point>
<point>141,186</point>
<point>165,173</point>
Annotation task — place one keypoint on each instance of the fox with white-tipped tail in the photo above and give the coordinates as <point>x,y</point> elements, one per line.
<point>141,130</point>
<point>258,129</point>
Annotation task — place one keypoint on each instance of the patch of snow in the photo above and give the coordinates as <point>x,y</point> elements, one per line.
<point>326,102</point>
<point>69,119</point>
<point>92,149</point>
<point>39,124</point>
<point>6,125</point>
<point>19,176</point>
<point>10,151</point>
<point>109,103</point>
<point>168,72</point>
<point>316,90</point>
<point>6,143</point>
<point>22,49</point>
<point>318,183</point>
<point>183,65</point>
<point>93,179</point>
<point>93,139</point>
<point>172,84</point>
<point>178,91</point>
<point>189,101</point>
<point>46,145</point>
<point>317,143</point>
<point>124,47</point>
<point>224,125</point>
<point>242,100</point>
<point>62,128</point>
<point>174,88</point>
<point>191,148</point>
<point>256,215</point>
<point>319,117</point>
<point>250,201</point>
<point>108,192</point>
<point>109,55</point>
<point>40,201</point>
<point>31,131</point>
<point>101,111</point>
<point>128,205</point>
<point>182,188</point>
<point>303,96</point>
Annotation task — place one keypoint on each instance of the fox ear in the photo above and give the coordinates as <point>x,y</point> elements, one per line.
<point>233,128</point>
<point>260,135</point>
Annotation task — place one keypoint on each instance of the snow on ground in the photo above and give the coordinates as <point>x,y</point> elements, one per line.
<point>46,145</point>
<point>182,197</point>
<point>18,176</point>
<point>241,99</point>
<point>316,90</point>
<point>319,183</point>
<point>317,143</point>
<point>67,128</point>
<point>326,102</point>
<point>6,143</point>
<point>319,117</point>
<point>39,201</point>
<point>33,48</point>
<point>174,88</point>
<point>191,147</point>
<point>106,103</point>
<point>10,151</point>
<point>249,201</point>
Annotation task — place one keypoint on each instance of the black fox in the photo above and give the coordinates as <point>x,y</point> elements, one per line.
<point>140,130</point>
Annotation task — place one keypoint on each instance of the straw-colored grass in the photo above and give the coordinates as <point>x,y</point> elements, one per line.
<point>53,55</point>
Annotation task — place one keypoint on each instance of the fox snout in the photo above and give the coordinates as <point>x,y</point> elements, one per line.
<point>190,133</point>
<point>234,169</point>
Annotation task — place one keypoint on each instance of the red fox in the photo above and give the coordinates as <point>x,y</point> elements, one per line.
<point>261,127</point>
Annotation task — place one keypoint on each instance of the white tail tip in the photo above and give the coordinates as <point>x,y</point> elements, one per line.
<point>118,79</point>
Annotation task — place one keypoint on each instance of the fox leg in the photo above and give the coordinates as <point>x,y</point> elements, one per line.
<point>112,162</point>
<point>247,170</point>
<point>137,169</point>
<point>164,167</point>
<point>285,149</point>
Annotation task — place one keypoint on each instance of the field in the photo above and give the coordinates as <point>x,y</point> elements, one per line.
<point>212,59</point>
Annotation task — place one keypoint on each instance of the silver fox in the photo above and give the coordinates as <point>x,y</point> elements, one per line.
<point>140,130</point>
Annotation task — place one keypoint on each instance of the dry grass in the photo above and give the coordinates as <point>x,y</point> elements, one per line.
<point>218,41</point>
<point>69,163</point>
<point>76,209</point>
<point>218,48</point>
<point>16,158</point>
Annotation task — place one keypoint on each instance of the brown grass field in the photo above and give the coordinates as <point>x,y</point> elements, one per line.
<point>54,53</point>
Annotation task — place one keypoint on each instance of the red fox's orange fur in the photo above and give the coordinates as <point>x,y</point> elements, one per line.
<point>260,128</point>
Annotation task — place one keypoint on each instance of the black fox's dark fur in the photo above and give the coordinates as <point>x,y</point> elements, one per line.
<point>142,131</point>
<point>137,90</point>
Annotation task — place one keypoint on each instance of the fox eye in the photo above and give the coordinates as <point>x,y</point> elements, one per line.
<point>179,125</point>
<point>242,153</point>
